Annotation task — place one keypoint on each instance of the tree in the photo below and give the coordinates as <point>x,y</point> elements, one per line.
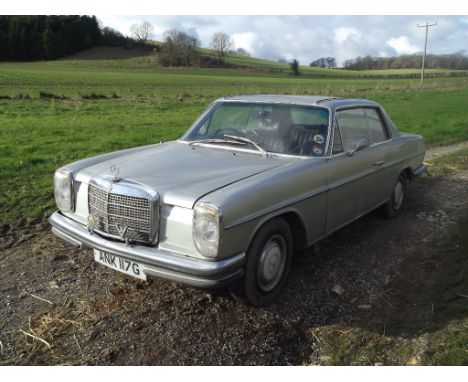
<point>331,62</point>
<point>221,43</point>
<point>242,52</point>
<point>111,37</point>
<point>178,49</point>
<point>324,62</point>
<point>49,47</point>
<point>46,37</point>
<point>294,64</point>
<point>142,32</point>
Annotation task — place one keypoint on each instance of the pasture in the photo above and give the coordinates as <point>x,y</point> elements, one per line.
<point>404,281</point>
<point>52,113</point>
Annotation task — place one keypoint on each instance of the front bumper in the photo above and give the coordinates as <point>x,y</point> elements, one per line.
<point>156,262</point>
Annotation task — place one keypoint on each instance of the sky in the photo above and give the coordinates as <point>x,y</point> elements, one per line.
<point>307,38</point>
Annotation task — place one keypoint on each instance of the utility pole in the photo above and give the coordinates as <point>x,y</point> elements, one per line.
<point>427,25</point>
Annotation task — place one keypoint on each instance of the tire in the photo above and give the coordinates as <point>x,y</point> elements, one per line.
<point>393,207</point>
<point>267,265</point>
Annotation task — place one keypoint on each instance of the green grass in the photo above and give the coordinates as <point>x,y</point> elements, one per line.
<point>279,67</point>
<point>138,58</point>
<point>38,135</point>
<point>343,345</point>
<point>450,163</point>
<point>448,346</point>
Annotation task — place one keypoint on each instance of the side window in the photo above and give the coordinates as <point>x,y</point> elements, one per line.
<point>337,143</point>
<point>353,126</point>
<point>377,130</point>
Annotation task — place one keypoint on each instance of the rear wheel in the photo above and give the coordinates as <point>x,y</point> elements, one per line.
<point>267,266</point>
<point>394,205</point>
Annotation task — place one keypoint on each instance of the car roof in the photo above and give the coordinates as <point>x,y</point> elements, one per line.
<point>304,100</point>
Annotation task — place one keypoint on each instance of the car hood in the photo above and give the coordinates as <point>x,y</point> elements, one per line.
<point>181,173</point>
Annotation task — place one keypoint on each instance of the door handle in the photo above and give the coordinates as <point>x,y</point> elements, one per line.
<point>379,163</point>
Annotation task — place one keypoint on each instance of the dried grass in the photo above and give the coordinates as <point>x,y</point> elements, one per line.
<point>43,336</point>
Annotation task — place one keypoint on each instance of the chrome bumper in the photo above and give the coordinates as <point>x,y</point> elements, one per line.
<point>420,170</point>
<point>159,263</point>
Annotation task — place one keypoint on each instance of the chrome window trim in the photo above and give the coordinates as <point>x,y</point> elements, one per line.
<point>372,145</point>
<point>219,101</point>
<point>270,154</point>
<point>382,122</point>
<point>378,108</point>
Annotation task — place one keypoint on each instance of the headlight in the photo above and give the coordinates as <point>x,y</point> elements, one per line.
<point>63,190</point>
<point>205,228</point>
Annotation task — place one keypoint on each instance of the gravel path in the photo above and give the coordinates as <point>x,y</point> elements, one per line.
<point>59,307</point>
<point>434,152</point>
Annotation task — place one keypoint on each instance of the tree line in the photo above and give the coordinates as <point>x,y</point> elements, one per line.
<point>46,37</point>
<point>440,61</point>
<point>50,37</point>
<point>181,49</point>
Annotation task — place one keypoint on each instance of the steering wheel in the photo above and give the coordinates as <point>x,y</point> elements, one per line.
<point>227,130</point>
<point>250,132</point>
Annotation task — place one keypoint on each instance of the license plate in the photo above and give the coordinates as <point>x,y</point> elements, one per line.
<point>121,264</point>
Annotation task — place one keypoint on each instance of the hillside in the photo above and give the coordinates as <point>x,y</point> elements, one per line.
<point>138,58</point>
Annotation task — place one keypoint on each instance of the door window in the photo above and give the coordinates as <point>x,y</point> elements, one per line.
<point>359,123</point>
<point>353,126</point>
<point>337,143</point>
<point>377,130</point>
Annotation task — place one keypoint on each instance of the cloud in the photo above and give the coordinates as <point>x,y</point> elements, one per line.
<point>402,45</point>
<point>310,37</point>
<point>342,34</point>
<point>245,40</point>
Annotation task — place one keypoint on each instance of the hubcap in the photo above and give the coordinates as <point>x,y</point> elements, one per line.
<point>398,194</point>
<point>272,263</point>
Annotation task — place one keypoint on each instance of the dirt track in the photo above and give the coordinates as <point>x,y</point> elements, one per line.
<point>404,277</point>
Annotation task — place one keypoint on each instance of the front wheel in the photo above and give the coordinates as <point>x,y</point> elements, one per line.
<point>267,266</point>
<point>393,206</point>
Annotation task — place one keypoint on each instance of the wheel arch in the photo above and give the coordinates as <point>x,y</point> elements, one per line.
<point>295,223</point>
<point>408,171</point>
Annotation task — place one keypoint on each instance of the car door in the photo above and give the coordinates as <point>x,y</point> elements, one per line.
<point>351,173</point>
<point>381,140</point>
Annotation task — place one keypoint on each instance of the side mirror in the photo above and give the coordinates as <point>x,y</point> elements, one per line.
<point>358,145</point>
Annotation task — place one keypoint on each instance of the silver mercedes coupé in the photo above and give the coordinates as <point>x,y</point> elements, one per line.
<point>254,179</point>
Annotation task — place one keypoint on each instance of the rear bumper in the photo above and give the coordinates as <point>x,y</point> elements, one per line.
<point>156,262</point>
<point>420,170</point>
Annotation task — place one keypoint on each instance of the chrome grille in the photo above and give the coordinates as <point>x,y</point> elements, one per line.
<point>112,211</point>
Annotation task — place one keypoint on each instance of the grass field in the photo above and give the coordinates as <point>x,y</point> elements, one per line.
<point>109,103</point>
<point>136,58</point>
<point>146,104</point>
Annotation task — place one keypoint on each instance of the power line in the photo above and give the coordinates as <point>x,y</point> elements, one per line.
<point>427,25</point>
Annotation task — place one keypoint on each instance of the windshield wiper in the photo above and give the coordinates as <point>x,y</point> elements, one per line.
<point>248,141</point>
<point>233,139</point>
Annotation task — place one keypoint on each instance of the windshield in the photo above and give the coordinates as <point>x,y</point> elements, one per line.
<point>277,128</point>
